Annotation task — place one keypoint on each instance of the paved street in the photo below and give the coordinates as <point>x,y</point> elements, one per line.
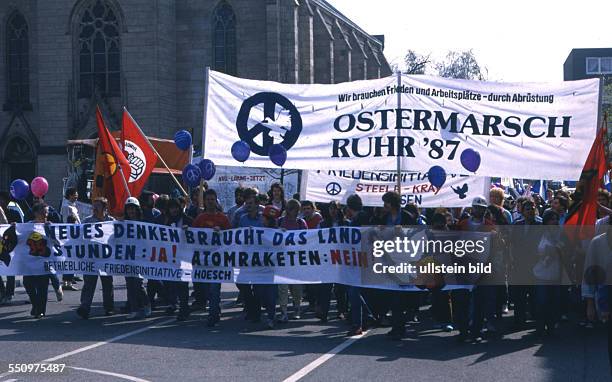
<point>161,349</point>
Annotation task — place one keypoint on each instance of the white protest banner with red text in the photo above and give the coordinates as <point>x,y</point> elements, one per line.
<point>327,186</point>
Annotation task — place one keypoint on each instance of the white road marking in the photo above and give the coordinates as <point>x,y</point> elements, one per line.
<point>114,339</point>
<point>322,359</point>
<point>122,376</point>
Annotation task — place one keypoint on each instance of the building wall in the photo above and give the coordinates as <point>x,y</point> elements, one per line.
<point>165,47</point>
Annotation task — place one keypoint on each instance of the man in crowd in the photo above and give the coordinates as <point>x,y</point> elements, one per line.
<point>177,290</point>
<point>211,217</point>
<point>523,251</point>
<point>238,200</point>
<point>399,301</point>
<point>12,216</point>
<point>251,217</point>
<point>100,214</point>
<point>358,218</point>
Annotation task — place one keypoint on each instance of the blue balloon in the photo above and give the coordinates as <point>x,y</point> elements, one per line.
<point>278,154</point>
<point>437,176</point>
<point>182,139</point>
<point>192,175</point>
<point>470,160</point>
<point>241,151</point>
<point>20,189</point>
<point>207,169</point>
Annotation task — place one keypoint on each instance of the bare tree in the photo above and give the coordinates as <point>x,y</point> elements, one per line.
<point>461,65</point>
<point>416,63</point>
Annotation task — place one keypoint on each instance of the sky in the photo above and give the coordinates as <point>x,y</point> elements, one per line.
<point>517,41</point>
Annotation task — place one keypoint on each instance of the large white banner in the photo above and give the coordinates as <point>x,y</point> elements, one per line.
<point>522,130</point>
<point>327,186</point>
<point>254,255</point>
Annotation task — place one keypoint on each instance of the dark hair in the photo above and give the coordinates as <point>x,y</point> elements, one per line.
<point>239,191</point>
<point>101,200</point>
<point>308,203</point>
<point>280,187</point>
<point>38,208</point>
<point>69,192</point>
<point>438,219</point>
<point>413,209</point>
<point>497,214</point>
<point>72,219</point>
<point>174,202</point>
<point>354,202</point>
<point>249,193</point>
<point>393,198</point>
<point>326,214</point>
<point>138,209</point>
<point>162,202</point>
<point>563,201</point>
<point>549,214</point>
<point>210,191</point>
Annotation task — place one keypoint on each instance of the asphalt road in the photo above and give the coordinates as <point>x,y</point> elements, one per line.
<point>162,349</point>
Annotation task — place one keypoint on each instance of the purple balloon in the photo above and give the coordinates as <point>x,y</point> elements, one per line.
<point>437,176</point>
<point>20,189</point>
<point>470,160</point>
<point>207,168</point>
<point>278,154</point>
<point>192,175</point>
<point>241,151</point>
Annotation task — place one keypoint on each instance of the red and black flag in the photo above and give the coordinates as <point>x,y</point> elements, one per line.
<point>116,167</point>
<point>580,221</point>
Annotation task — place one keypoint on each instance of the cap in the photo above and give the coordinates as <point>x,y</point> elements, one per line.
<point>271,212</point>
<point>479,201</point>
<point>132,201</point>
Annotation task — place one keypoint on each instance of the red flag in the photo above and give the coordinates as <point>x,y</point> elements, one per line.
<point>580,221</point>
<point>117,167</point>
<point>139,152</point>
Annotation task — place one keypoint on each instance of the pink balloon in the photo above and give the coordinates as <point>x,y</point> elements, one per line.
<point>39,187</point>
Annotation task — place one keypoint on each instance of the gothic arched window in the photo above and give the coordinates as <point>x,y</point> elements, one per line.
<point>98,47</point>
<point>224,44</point>
<point>18,60</point>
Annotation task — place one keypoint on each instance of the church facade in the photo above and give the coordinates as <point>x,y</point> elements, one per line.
<point>61,58</point>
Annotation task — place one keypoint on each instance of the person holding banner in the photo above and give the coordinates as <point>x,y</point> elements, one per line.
<point>332,217</point>
<point>267,293</point>
<point>177,290</point>
<point>357,218</point>
<point>138,300</point>
<point>100,214</point>
<point>398,301</point>
<point>12,216</point>
<point>37,286</point>
<point>213,218</point>
<point>250,216</point>
<point>291,221</point>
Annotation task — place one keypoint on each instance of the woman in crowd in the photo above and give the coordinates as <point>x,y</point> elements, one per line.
<point>332,217</point>
<point>276,196</point>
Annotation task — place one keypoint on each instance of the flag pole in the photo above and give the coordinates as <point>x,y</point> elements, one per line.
<point>398,133</point>
<point>156,152</point>
<point>206,81</point>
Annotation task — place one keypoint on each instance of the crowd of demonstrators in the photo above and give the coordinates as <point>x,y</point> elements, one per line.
<point>529,224</point>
